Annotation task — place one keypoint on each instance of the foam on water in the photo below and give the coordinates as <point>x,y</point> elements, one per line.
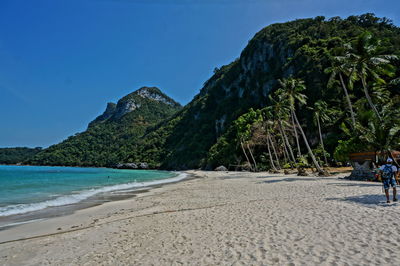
<point>81,195</point>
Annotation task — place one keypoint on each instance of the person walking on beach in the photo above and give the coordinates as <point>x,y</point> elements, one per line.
<point>388,174</point>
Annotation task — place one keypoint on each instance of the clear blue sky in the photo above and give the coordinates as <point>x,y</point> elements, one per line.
<point>61,61</point>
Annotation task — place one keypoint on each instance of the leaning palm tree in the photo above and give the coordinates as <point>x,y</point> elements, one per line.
<point>365,58</point>
<point>269,138</point>
<point>280,110</point>
<point>337,69</point>
<point>243,126</point>
<point>276,137</point>
<point>320,115</point>
<point>269,130</point>
<point>271,159</point>
<point>289,89</point>
<point>291,95</point>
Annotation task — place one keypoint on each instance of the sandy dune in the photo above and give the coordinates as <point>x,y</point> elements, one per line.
<point>222,219</point>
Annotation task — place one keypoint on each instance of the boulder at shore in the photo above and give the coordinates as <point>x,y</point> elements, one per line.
<point>132,166</point>
<point>221,168</point>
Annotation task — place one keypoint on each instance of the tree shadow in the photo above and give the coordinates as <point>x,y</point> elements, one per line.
<point>367,200</point>
<point>246,176</point>
<point>365,184</point>
<point>289,180</point>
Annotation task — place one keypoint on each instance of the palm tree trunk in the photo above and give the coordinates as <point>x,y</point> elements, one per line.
<point>275,153</point>
<point>252,157</point>
<point>353,120</point>
<point>321,140</point>
<point>270,155</point>
<point>369,98</point>
<point>245,154</point>
<point>287,142</point>
<point>295,134</point>
<point>308,147</point>
<point>285,151</point>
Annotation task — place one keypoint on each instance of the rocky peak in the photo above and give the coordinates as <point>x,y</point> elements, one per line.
<point>124,107</point>
<point>132,102</point>
<point>155,94</point>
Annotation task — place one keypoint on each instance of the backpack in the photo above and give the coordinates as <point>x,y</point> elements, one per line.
<point>387,172</point>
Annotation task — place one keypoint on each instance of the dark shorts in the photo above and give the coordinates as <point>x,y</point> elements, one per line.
<point>389,182</point>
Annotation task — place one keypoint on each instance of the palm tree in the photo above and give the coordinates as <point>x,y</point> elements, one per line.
<point>365,59</point>
<point>248,128</point>
<point>245,155</point>
<point>290,95</point>
<point>243,125</point>
<point>270,153</point>
<point>337,69</point>
<point>268,125</point>
<point>252,157</point>
<point>280,110</point>
<point>277,132</point>
<point>290,92</point>
<point>381,135</point>
<point>320,114</point>
<point>269,138</point>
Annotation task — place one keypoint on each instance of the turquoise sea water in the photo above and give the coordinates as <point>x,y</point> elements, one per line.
<point>31,188</point>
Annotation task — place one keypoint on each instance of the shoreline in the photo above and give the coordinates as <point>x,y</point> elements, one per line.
<point>64,218</point>
<point>219,218</point>
<point>99,198</point>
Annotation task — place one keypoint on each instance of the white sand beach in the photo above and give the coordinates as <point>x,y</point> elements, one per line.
<point>221,218</point>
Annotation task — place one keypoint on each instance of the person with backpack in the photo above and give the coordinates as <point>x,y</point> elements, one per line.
<point>388,174</point>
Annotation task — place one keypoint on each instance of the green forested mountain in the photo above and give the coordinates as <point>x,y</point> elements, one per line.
<point>112,136</point>
<point>17,155</point>
<point>285,83</point>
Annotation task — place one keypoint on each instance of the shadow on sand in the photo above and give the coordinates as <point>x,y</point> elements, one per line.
<point>365,184</point>
<point>367,200</point>
<point>245,176</point>
<point>294,179</point>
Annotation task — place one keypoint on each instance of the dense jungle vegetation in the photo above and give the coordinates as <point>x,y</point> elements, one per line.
<point>17,155</point>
